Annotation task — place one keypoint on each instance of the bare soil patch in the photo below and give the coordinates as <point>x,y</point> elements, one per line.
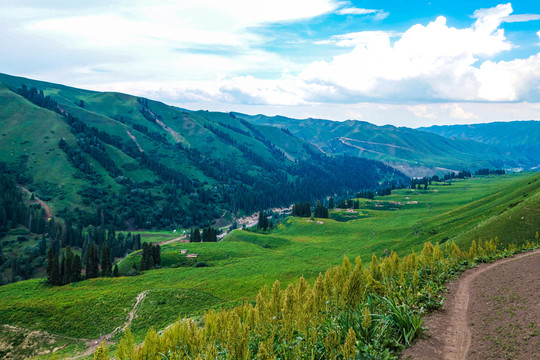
<point>491,312</point>
<point>42,203</point>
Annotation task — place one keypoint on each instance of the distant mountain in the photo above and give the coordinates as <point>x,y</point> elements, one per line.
<point>110,158</point>
<point>518,139</point>
<point>415,152</point>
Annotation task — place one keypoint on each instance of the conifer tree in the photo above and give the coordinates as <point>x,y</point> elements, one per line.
<point>76,270</point>
<point>92,263</point>
<point>56,279</point>
<point>67,273</point>
<point>106,266</point>
<point>53,271</point>
<point>115,271</point>
<point>195,236</point>
<point>43,245</point>
<point>262,221</point>
<point>156,254</point>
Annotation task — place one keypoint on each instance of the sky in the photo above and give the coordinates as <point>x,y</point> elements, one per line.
<point>401,62</point>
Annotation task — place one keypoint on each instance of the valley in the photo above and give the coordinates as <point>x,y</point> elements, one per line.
<point>307,180</point>
<point>117,185</point>
<point>466,210</point>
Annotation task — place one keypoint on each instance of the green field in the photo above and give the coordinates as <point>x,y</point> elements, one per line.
<point>483,207</point>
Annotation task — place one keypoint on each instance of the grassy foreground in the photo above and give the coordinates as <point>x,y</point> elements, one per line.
<point>483,207</point>
<point>349,312</point>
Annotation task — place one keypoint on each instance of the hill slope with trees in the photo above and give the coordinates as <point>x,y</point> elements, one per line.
<point>115,159</point>
<point>417,153</point>
<point>521,139</point>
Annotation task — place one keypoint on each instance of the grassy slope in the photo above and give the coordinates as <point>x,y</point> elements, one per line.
<point>36,132</point>
<point>245,261</point>
<point>29,130</point>
<point>396,145</point>
<point>521,138</point>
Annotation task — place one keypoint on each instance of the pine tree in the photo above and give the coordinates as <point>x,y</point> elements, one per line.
<point>53,271</point>
<point>115,271</point>
<point>56,279</point>
<point>92,263</point>
<point>43,245</point>
<point>195,236</point>
<point>67,273</point>
<point>262,221</point>
<point>156,254</point>
<point>77,267</point>
<point>106,266</point>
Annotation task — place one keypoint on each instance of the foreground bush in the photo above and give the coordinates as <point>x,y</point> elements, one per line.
<point>350,312</point>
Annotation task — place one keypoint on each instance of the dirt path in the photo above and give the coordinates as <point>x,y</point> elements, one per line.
<point>183,239</point>
<point>176,136</point>
<point>450,330</point>
<point>93,344</point>
<point>135,140</point>
<point>44,205</point>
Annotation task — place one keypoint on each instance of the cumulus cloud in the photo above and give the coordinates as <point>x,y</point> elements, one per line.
<point>432,62</point>
<point>426,63</point>
<point>208,53</point>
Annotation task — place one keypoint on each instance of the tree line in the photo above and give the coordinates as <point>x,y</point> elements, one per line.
<point>189,202</point>
<point>209,234</point>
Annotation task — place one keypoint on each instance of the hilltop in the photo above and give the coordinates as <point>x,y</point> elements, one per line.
<point>520,139</point>
<point>416,152</point>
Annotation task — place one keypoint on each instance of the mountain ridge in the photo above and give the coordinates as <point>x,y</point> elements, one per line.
<point>147,164</point>
<point>414,151</point>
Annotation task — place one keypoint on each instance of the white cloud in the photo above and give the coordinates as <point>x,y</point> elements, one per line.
<point>185,39</point>
<point>432,62</point>
<point>377,14</point>
<point>189,21</point>
<point>457,112</point>
<point>356,11</point>
<point>205,54</point>
<point>421,111</point>
<point>521,18</point>
<point>363,38</point>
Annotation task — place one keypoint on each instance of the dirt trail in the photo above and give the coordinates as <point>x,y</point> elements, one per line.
<point>450,330</point>
<point>135,140</point>
<point>176,136</point>
<point>93,344</point>
<point>44,205</point>
<point>183,239</point>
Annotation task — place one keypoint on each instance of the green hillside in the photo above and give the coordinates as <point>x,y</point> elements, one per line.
<point>417,153</point>
<point>520,138</point>
<point>481,207</point>
<point>144,164</point>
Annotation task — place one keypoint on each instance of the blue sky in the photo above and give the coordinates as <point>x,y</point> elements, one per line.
<point>407,63</point>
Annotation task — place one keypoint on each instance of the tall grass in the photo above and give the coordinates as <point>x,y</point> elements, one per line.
<point>350,312</point>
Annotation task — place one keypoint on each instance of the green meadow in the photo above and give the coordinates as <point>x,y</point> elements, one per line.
<point>483,207</point>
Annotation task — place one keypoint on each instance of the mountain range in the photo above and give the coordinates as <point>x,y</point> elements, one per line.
<point>112,158</point>
<point>423,151</point>
<point>108,158</point>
